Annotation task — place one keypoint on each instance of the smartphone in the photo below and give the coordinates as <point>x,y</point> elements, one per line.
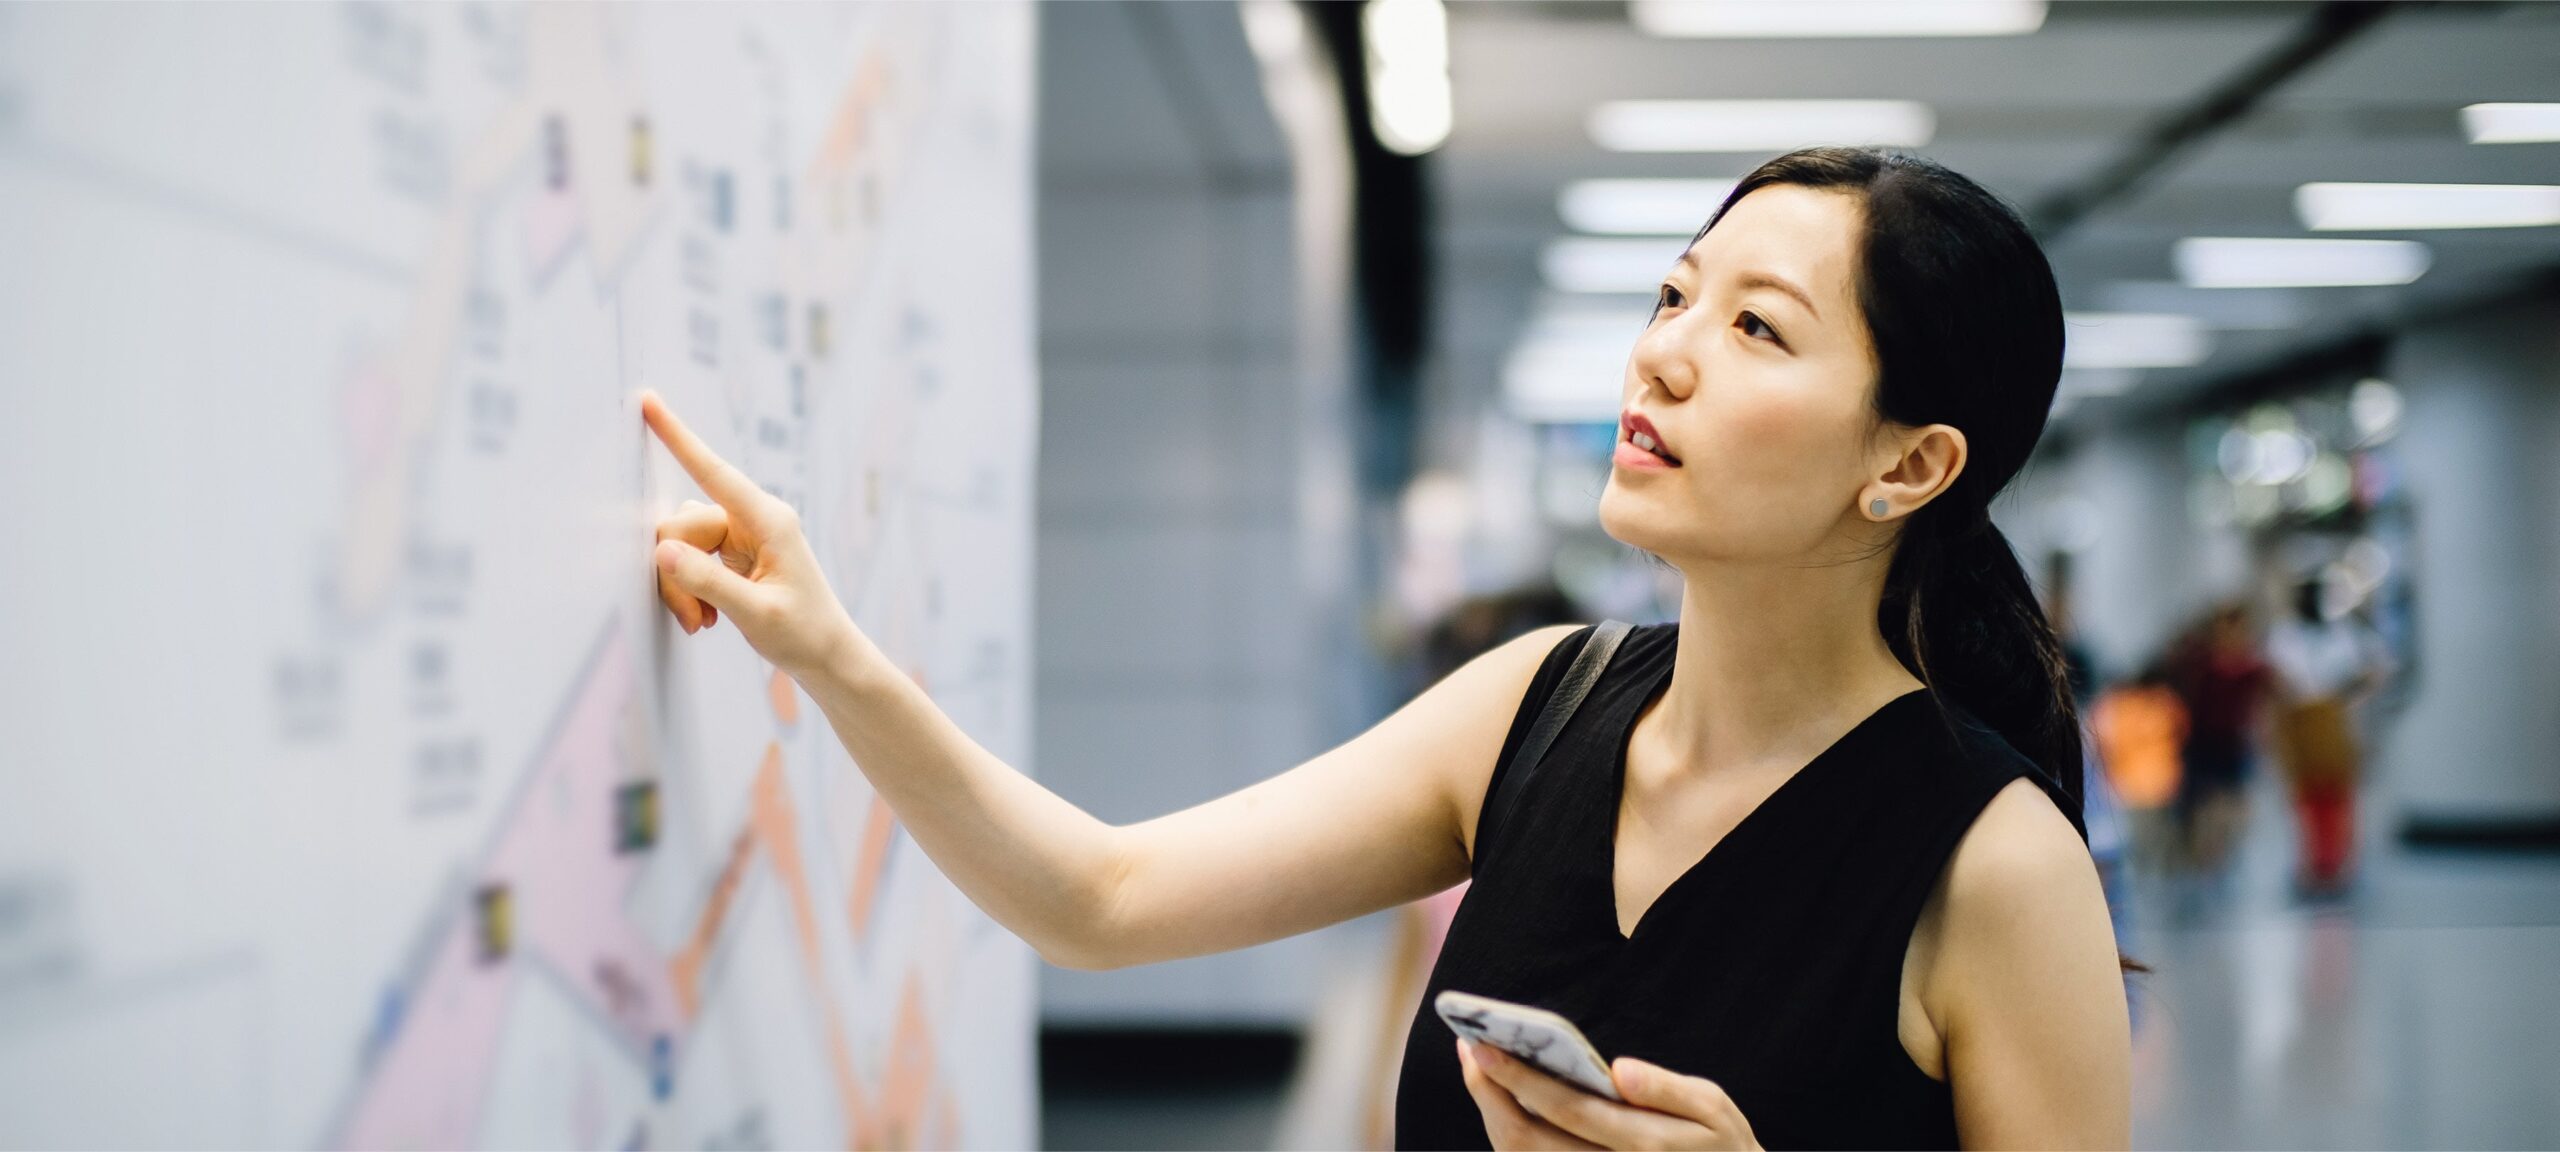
<point>1533,1034</point>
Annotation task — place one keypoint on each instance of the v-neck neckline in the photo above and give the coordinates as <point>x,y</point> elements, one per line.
<point>1618,798</point>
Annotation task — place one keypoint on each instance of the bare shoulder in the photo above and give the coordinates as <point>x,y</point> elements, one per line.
<point>2021,857</point>
<point>2025,985</point>
<point>2020,878</point>
<point>1468,713</point>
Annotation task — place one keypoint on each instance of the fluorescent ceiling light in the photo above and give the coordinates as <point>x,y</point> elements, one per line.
<point>2512,123</point>
<point>2221,309</point>
<point>2117,340</point>
<point>2235,262</point>
<point>2402,207</point>
<point>1594,264</point>
<point>1757,125</point>
<point>1763,18</point>
<point>1410,107</point>
<point>1274,29</point>
<point>1641,207</point>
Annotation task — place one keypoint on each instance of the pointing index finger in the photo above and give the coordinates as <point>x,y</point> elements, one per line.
<point>719,479</point>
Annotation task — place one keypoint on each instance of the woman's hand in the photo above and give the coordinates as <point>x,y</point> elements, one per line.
<point>743,557</point>
<point>1526,1108</point>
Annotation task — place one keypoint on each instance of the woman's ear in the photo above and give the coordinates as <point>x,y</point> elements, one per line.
<point>1914,466</point>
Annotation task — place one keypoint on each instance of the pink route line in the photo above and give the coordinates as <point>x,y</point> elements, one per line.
<point>554,857</point>
<point>558,858</point>
<point>426,1092</point>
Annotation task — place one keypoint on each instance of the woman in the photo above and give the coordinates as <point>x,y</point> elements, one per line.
<point>2224,679</point>
<point>1807,862</point>
<point>2139,729</point>
<point>2325,666</point>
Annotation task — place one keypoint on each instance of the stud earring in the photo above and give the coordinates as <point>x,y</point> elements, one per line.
<point>1877,508</point>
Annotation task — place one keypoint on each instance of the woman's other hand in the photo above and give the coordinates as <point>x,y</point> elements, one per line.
<point>742,557</point>
<point>1524,1107</point>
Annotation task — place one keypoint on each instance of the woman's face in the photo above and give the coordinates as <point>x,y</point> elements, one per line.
<point>1754,383</point>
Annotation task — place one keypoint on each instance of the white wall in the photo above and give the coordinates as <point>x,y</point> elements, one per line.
<point>2481,738</point>
<point>1183,596</point>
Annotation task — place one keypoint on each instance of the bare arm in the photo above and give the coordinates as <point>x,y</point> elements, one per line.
<point>2026,988</point>
<point>1386,818</point>
<point>1376,822</point>
<point>1383,819</point>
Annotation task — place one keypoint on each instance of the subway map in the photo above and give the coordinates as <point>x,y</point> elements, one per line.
<point>356,791</point>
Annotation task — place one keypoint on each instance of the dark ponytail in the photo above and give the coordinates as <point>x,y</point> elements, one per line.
<point>1967,326</point>
<point>1960,614</point>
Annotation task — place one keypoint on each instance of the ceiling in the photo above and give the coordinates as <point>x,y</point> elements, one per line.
<point>2029,116</point>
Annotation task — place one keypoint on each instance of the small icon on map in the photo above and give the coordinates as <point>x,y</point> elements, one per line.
<point>623,995</point>
<point>497,922</point>
<point>775,314</point>
<point>555,152</point>
<point>818,331</point>
<point>387,1014</point>
<point>662,1066</point>
<point>635,817</point>
<point>640,151</point>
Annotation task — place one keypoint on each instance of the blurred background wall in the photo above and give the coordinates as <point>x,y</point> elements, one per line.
<point>1194,544</point>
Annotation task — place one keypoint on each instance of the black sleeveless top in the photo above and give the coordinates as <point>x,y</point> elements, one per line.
<point>1773,966</point>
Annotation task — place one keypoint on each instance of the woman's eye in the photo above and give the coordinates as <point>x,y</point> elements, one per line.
<point>1669,298</point>
<point>1755,327</point>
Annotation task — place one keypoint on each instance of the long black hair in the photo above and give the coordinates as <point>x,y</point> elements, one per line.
<point>1967,325</point>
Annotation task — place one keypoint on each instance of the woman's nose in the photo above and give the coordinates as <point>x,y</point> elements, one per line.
<point>1658,363</point>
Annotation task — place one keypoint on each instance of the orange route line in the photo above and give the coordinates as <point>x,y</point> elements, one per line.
<point>771,818</point>
<point>687,966</point>
<point>907,1088</point>
<point>845,134</point>
<point>878,830</point>
<point>786,698</point>
<point>770,825</point>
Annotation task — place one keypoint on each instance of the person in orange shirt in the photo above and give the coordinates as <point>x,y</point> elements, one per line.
<point>2140,726</point>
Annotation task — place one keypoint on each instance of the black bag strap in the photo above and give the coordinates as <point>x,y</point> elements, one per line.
<point>1578,679</point>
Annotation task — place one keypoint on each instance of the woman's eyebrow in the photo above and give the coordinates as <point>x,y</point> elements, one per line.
<point>1757,279</point>
<point>1780,284</point>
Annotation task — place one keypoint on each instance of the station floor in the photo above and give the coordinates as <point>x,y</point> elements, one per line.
<point>2423,1011</point>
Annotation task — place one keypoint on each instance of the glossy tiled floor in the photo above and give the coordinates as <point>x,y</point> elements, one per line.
<point>2422,1012</point>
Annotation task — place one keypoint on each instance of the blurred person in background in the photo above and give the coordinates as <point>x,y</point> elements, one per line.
<point>2224,680</point>
<point>2325,664</point>
<point>2141,726</point>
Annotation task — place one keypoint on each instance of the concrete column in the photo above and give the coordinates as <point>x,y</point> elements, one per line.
<point>2479,747</point>
<point>1182,610</point>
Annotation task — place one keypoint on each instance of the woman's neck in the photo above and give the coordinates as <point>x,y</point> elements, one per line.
<point>1775,662</point>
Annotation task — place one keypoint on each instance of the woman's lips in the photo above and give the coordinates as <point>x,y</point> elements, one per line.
<point>1635,459</point>
<point>1640,444</point>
